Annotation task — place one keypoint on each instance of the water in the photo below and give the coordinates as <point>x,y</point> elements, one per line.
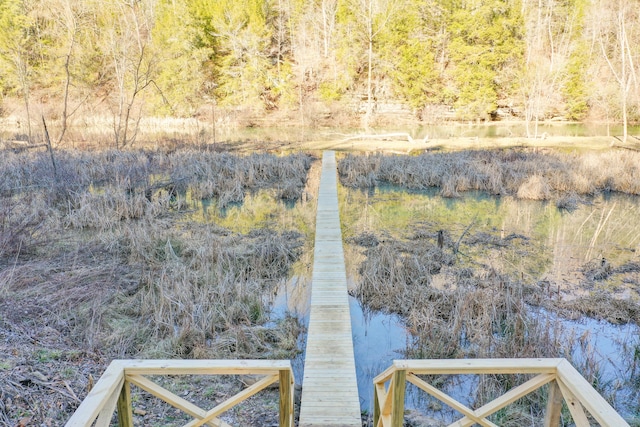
<point>558,249</point>
<point>559,245</point>
<point>606,352</point>
<point>378,339</point>
<point>451,130</point>
<point>519,130</point>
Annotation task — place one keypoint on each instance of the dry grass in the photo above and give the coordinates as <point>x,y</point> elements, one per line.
<point>476,311</point>
<point>177,269</point>
<point>481,313</point>
<point>228,177</point>
<point>206,174</point>
<point>100,254</point>
<point>523,173</point>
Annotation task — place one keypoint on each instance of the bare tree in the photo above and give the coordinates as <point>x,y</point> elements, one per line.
<point>616,37</point>
<point>67,17</point>
<point>375,15</point>
<point>127,42</point>
<point>329,9</point>
<point>551,29</point>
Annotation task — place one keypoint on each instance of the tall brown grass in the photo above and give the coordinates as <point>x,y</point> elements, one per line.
<point>97,259</point>
<point>526,174</point>
<point>207,174</point>
<point>478,312</point>
<point>193,280</point>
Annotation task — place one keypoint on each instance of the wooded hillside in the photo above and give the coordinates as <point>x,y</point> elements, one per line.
<point>456,59</point>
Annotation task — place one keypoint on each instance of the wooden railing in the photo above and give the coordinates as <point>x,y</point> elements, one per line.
<point>113,391</point>
<point>565,384</point>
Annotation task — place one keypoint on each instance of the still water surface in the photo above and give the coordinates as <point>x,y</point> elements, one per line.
<point>457,130</point>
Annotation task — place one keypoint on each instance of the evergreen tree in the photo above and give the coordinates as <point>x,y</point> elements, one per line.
<point>408,54</point>
<point>183,54</point>
<point>486,44</point>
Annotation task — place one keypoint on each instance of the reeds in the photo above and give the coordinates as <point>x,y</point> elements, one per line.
<point>100,253</point>
<point>522,173</point>
<point>479,314</point>
<point>229,177</point>
<point>212,288</point>
<point>477,311</point>
<point>205,174</point>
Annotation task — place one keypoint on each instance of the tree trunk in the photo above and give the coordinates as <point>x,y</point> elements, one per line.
<point>370,66</point>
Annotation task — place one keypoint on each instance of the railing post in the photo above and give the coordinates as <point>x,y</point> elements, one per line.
<point>286,398</point>
<point>125,413</point>
<point>554,405</point>
<point>376,405</point>
<point>397,404</point>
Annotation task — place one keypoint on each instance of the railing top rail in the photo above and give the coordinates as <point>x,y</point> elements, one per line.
<point>567,377</point>
<point>471,366</point>
<point>109,383</point>
<point>101,397</point>
<point>588,396</point>
<point>204,367</point>
<point>477,366</point>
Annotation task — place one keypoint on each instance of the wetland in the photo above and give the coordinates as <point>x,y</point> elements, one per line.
<point>200,254</point>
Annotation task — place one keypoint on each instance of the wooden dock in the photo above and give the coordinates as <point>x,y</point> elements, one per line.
<point>329,387</point>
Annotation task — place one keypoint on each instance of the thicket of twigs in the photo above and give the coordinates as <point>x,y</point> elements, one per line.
<point>522,173</point>
<point>97,262</point>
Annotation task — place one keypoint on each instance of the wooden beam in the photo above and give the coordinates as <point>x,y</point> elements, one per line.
<point>173,399</point>
<point>205,367</point>
<point>125,412</point>
<point>106,414</point>
<point>109,383</point>
<point>445,398</point>
<point>478,366</point>
<point>229,403</point>
<point>586,394</point>
<point>286,398</point>
<point>397,390</point>
<point>385,375</point>
<point>384,397</point>
<point>506,399</point>
<point>575,407</point>
<point>554,405</point>
<point>377,388</point>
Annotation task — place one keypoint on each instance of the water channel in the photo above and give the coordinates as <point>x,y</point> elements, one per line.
<point>442,131</point>
<point>558,248</point>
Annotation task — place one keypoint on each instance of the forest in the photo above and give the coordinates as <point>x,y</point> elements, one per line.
<point>435,60</point>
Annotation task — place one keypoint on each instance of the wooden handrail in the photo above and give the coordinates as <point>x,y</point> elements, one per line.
<point>112,391</point>
<point>566,384</point>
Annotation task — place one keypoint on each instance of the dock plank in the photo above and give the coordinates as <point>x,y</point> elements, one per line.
<point>329,387</point>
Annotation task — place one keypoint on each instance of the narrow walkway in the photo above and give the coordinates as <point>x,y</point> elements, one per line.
<point>329,386</point>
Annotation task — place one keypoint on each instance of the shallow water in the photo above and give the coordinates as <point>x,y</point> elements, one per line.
<point>555,247</point>
<point>454,130</point>
<point>558,245</point>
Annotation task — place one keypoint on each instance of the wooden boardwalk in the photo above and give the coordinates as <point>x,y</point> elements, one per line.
<point>329,387</point>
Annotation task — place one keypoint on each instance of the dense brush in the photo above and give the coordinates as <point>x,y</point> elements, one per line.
<point>525,174</point>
